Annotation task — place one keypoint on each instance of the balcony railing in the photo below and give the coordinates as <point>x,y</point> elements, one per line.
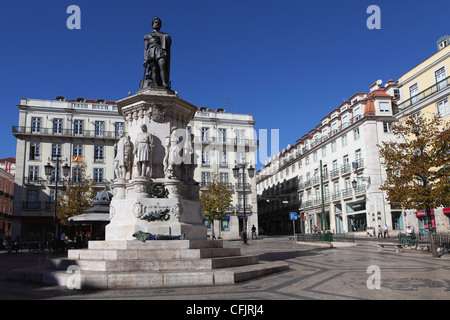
<point>22,130</point>
<point>439,86</point>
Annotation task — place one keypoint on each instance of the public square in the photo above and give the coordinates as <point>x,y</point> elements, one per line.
<point>316,273</point>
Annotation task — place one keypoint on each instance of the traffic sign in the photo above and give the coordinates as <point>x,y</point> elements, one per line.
<point>293,216</point>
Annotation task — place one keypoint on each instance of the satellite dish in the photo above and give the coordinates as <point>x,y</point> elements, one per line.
<point>379,82</point>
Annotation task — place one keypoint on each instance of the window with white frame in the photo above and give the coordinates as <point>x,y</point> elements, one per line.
<point>35,125</point>
<point>99,128</point>
<point>222,135</point>
<point>57,126</point>
<point>35,151</point>
<point>440,78</point>
<point>205,134</point>
<point>443,108</point>
<point>344,139</point>
<point>98,154</point>
<point>205,158</point>
<point>98,175</point>
<point>78,127</point>
<point>384,106</point>
<point>413,93</point>
<point>356,134</point>
<point>56,150</point>
<point>333,146</point>
<point>33,173</point>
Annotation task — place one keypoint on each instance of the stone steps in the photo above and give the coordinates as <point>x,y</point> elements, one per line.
<point>160,263</point>
<point>165,264</point>
<point>151,254</point>
<point>149,279</point>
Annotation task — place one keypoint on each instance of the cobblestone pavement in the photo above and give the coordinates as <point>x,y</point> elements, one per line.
<point>315,273</point>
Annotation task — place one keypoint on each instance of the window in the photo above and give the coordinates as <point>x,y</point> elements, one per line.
<point>206,178</point>
<point>98,154</point>
<point>119,126</point>
<point>99,128</point>
<point>98,175</point>
<point>205,134</point>
<point>35,125</point>
<point>241,201</point>
<point>240,136</point>
<point>413,93</point>
<point>387,127</point>
<point>335,165</point>
<point>222,135</point>
<point>223,159</point>
<point>356,134</point>
<point>78,127</point>
<point>384,106</point>
<point>56,150</point>
<point>34,151</point>
<point>223,177</point>
<point>443,108</point>
<point>315,156</point>
<point>344,140</point>
<point>57,126</point>
<point>77,150</point>
<point>333,146</point>
<point>440,78</point>
<point>240,157</point>
<point>77,174</point>
<point>33,173</point>
<point>324,151</point>
<point>205,158</point>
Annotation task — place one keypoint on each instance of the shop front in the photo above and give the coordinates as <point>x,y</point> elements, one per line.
<point>356,216</point>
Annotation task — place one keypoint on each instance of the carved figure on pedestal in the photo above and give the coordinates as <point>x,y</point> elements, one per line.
<point>168,171</point>
<point>174,160</point>
<point>128,157</point>
<point>156,58</point>
<point>121,161</point>
<point>143,148</point>
<point>188,159</point>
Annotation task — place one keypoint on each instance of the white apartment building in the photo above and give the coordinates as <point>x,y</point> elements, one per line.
<point>222,141</point>
<point>336,164</point>
<point>85,131</point>
<point>72,131</point>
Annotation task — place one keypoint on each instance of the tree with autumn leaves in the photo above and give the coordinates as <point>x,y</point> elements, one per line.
<point>417,166</point>
<point>215,201</point>
<point>78,195</point>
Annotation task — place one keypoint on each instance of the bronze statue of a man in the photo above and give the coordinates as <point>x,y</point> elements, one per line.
<point>156,58</point>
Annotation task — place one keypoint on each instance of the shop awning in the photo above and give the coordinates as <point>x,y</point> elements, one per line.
<point>446,210</point>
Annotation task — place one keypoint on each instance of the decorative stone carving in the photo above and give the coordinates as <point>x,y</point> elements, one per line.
<point>143,152</point>
<point>158,113</point>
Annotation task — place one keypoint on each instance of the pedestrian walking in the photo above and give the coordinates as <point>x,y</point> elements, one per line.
<point>254,232</point>
<point>386,230</point>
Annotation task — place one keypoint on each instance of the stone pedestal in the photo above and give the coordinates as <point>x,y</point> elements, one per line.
<point>164,201</point>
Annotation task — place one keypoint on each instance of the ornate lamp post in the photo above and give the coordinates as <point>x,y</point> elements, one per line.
<point>251,174</point>
<point>48,171</point>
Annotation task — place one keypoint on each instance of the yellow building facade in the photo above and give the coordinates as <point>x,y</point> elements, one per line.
<point>425,90</point>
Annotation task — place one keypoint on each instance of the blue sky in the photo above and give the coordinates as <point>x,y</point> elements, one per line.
<point>287,62</point>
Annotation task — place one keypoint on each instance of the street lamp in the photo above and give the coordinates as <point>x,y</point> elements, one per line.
<point>251,174</point>
<point>48,172</point>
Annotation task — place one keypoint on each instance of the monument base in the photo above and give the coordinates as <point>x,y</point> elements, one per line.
<point>150,264</point>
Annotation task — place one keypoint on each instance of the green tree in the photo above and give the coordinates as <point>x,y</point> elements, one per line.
<point>215,201</point>
<point>418,167</point>
<point>78,196</point>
